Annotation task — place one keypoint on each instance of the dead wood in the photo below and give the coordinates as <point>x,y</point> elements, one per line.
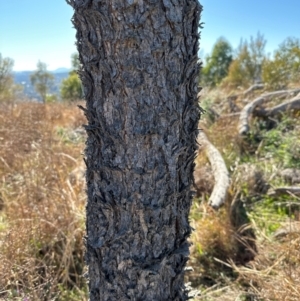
<point>292,190</point>
<point>290,105</point>
<point>286,229</point>
<point>246,92</point>
<point>253,88</point>
<point>220,172</point>
<point>243,126</point>
<point>290,175</point>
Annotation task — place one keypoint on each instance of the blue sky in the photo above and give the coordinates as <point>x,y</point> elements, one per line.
<point>32,30</point>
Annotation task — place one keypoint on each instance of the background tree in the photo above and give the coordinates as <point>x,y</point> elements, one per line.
<point>246,68</point>
<point>75,61</point>
<point>217,64</point>
<point>42,80</point>
<point>6,77</point>
<point>140,78</point>
<point>284,68</point>
<point>71,87</point>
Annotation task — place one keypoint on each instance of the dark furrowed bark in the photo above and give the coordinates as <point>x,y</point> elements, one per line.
<point>139,73</point>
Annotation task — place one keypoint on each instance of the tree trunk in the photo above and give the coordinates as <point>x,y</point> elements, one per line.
<point>139,73</point>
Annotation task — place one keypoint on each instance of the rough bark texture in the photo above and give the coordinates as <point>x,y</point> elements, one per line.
<point>139,72</point>
<point>220,172</point>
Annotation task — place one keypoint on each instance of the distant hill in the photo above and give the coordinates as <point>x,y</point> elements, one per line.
<point>61,70</point>
<point>23,78</point>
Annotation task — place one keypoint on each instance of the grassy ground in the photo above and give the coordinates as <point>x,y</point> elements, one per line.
<point>235,254</point>
<point>252,219</point>
<point>42,207</point>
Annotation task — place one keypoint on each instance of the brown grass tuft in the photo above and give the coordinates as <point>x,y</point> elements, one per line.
<point>42,216</point>
<point>274,275</point>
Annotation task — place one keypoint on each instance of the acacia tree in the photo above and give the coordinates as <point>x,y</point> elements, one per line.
<point>246,68</point>
<point>284,68</point>
<point>6,76</point>
<point>42,80</point>
<point>217,64</point>
<point>70,88</point>
<point>140,79</point>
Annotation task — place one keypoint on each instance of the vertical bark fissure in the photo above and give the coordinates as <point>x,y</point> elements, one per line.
<point>139,72</point>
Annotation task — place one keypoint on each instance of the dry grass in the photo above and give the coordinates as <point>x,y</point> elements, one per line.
<point>272,276</point>
<point>42,213</point>
<point>214,238</point>
<point>274,273</point>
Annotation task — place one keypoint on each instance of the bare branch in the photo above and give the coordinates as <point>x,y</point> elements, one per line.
<point>243,126</point>
<point>292,104</point>
<point>292,190</point>
<point>220,172</point>
<point>253,88</point>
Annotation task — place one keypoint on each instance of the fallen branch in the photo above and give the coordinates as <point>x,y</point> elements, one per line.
<point>293,190</point>
<point>220,172</point>
<point>253,88</point>
<point>246,92</point>
<point>292,104</point>
<point>243,126</point>
<point>286,229</point>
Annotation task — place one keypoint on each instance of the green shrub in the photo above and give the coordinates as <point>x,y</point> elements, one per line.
<point>284,68</point>
<point>245,69</point>
<point>217,64</point>
<point>71,88</point>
